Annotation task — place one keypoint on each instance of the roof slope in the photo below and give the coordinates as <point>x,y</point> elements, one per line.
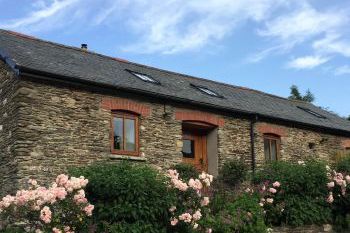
<point>28,52</point>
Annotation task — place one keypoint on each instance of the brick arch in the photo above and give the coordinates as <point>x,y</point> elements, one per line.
<point>265,128</point>
<point>199,116</point>
<point>126,105</point>
<point>346,143</point>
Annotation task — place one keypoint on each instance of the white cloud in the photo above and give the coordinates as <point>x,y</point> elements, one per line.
<point>307,62</point>
<point>38,16</point>
<point>342,70</point>
<point>177,26</point>
<point>332,44</point>
<point>305,25</point>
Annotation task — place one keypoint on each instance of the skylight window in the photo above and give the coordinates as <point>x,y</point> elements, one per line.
<point>144,77</point>
<point>312,112</point>
<point>207,91</point>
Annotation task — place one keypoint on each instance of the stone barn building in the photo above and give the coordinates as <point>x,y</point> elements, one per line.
<point>64,106</point>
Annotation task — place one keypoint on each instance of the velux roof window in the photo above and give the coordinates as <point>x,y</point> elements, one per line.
<point>144,77</point>
<point>312,112</point>
<point>206,91</point>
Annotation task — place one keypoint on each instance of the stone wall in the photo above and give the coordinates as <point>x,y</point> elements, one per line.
<point>63,127</point>
<point>8,128</point>
<point>297,144</point>
<point>234,140</point>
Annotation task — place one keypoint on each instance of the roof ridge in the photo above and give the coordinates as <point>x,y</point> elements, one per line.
<point>141,65</point>
<point>62,45</point>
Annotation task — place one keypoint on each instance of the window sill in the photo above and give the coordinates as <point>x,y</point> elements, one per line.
<point>127,157</point>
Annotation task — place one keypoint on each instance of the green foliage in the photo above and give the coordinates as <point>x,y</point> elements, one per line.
<point>233,172</point>
<point>127,196</point>
<point>12,230</point>
<point>295,95</point>
<point>303,192</point>
<point>137,227</point>
<point>186,171</point>
<point>343,165</point>
<point>244,215</point>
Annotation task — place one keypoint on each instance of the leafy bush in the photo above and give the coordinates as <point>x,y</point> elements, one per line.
<point>128,196</point>
<point>12,230</point>
<point>303,192</point>
<point>61,206</point>
<point>233,172</point>
<point>186,171</point>
<point>244,215</point>
<point>343,165</point>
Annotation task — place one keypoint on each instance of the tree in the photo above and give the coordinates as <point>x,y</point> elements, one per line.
<point>349,118</point>
<point>295,95</point>
<point>308,97</point>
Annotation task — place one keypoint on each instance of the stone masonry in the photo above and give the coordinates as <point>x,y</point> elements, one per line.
<point>47,128</point>
<point>8,128</point>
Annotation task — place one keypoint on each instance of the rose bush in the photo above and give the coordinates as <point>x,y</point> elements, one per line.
<point>60,208</point>
<point>191,203</point>
<point>339,198</point>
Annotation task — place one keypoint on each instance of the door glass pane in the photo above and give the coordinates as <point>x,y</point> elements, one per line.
<point>267,149</point>
<point>273,150</point>
<point>130,135</point>
<point>118,133</point>
<point>188,148</point>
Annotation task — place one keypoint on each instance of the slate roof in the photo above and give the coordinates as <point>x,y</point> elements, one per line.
<point>21,51</point>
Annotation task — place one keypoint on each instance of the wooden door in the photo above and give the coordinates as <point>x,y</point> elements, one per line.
<point>194,150</point>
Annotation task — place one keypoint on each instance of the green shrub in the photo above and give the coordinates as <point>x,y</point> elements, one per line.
<point>343,165</point>
<point>128,197</point>
<point>244,215</point>
<point>303,192</point>
<point>124,227</point>
<point>186,171</point>
<point>12,230</point>
<point>233,172</point>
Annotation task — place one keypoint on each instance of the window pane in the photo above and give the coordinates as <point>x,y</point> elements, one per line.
<point>188,148</point>
<point>130,135</point>
<point>273,151</point>
<point>118,133</point>
<point>267,149</point>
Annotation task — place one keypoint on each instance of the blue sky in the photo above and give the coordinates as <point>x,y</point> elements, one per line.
<point>266,45</point>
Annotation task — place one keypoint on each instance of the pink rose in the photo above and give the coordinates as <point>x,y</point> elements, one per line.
<point>186,217</point>
<point>88,209</point>
<point>197,215</point>
<point>269,200</point>
<point>330,198</point>
<point>272,190</point>
<point>45,214</point>
<point>205,201</point>
<point>347,178</point>
<point>330,185</point>
<point>174,221</point>
<point>276,184</point>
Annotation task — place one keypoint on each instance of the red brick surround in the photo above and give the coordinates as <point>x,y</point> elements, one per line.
<point>124,104</point>
<point>199,116</point>
<point>346,143</point>
<point>265,128</point>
